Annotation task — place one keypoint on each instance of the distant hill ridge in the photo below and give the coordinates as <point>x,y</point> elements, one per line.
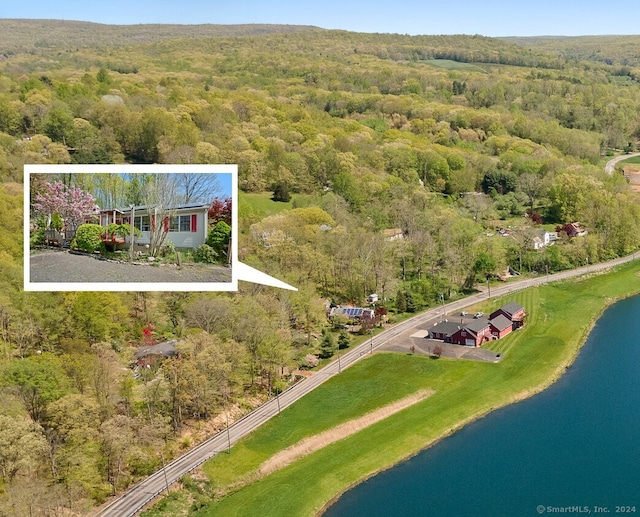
<point>25,34</point>
<point>28,35</point>
<point>608,49</point>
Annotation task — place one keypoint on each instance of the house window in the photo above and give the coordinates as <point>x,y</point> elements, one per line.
<point>185,223</point>
<point>181,223</point>
<point>142,223</point>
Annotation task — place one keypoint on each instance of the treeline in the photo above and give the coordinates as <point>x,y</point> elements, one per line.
<point>611,50</point>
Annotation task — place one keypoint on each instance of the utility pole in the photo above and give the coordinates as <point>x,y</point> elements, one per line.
<point>226,414</point>
<point>164,471</point>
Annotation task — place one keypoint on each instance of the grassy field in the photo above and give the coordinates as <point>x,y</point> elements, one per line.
<point>255,206</point>
<point>262,204</point>
<point>559,319</point>
<point>632,160</point>
<point>452,65</point>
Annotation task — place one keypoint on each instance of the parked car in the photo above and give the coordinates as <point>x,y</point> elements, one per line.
<point>464,313</point>
<point>478,315</point>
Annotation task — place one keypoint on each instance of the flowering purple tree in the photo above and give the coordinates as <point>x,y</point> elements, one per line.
<point>71,203</point>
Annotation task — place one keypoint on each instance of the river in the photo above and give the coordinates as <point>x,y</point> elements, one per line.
<point>574,448</point>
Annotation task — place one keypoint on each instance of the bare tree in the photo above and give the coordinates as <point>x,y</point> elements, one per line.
<point>161,198</point>
<point>197,187</point>
<point>532,186</point>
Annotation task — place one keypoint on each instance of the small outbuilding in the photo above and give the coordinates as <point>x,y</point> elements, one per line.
<point>500,326</point>
<point>513,312</point>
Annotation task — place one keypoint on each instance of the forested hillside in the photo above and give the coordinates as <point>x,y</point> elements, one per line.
<point>463,148</point>
<point>612,50</point>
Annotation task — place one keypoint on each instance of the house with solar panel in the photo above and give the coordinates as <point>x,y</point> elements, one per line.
<point>354,314</point>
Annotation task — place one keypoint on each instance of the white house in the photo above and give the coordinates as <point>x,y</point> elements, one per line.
<point>187,227</point>
<point>544,238</point>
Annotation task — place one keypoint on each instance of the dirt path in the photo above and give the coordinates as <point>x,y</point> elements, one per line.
<point>61,266</point>
<point>317,442</point>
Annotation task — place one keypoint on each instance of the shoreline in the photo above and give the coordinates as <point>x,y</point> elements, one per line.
<point>557,373</point>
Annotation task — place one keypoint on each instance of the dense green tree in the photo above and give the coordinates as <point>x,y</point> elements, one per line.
<point>281,193</point>
<point>37,381</point>
<point>98,316</point>
<point>22,446</point>
<point>327,345</point>
<point>499,181</point>
<point>344,341</point>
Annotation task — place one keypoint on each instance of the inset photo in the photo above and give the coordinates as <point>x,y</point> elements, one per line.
<point>130,227</point>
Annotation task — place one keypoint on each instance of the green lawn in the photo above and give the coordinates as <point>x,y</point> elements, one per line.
<point>261,203</point>
<point>559,318</point>
<point>633,160</point>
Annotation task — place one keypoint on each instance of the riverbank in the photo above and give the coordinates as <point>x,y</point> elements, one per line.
<point>560,316</point>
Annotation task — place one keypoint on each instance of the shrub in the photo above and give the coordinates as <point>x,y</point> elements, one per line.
<point>310,361</point>
<point>122,230</point>
<point>168,249</point>
<point>205,253</point>
<point>56,222</point>
<point>37,238</point>
<point>219,237</point>
<point>88,237</point>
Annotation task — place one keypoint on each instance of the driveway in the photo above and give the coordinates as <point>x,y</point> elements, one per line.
<point>611,164</point>
<point>425,346</point>
<point>61,266</point>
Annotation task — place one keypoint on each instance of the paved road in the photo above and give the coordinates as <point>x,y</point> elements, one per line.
<point>611,164</point>
<point>55,265</point>
<point>134,499</point>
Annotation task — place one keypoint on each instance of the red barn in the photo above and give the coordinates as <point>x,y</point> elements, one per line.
<point>512,311</point>
<point>500,326</point>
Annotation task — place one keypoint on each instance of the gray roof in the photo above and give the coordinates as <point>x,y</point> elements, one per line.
<point>445,327</point>
<point>477,325</point>
<point>166,349</point>
<point>501,322</point>
<point>512,307</point>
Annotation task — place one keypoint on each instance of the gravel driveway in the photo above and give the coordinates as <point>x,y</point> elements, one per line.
<point>61,266</point>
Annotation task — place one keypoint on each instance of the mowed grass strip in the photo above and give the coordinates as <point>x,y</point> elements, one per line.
<point>464,390</point>
<point>314,443</point>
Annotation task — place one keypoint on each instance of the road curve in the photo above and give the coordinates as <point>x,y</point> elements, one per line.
<point>136,497</point>
<point>611,164</point>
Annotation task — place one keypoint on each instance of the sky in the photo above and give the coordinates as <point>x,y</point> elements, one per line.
<point>485,17</point>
